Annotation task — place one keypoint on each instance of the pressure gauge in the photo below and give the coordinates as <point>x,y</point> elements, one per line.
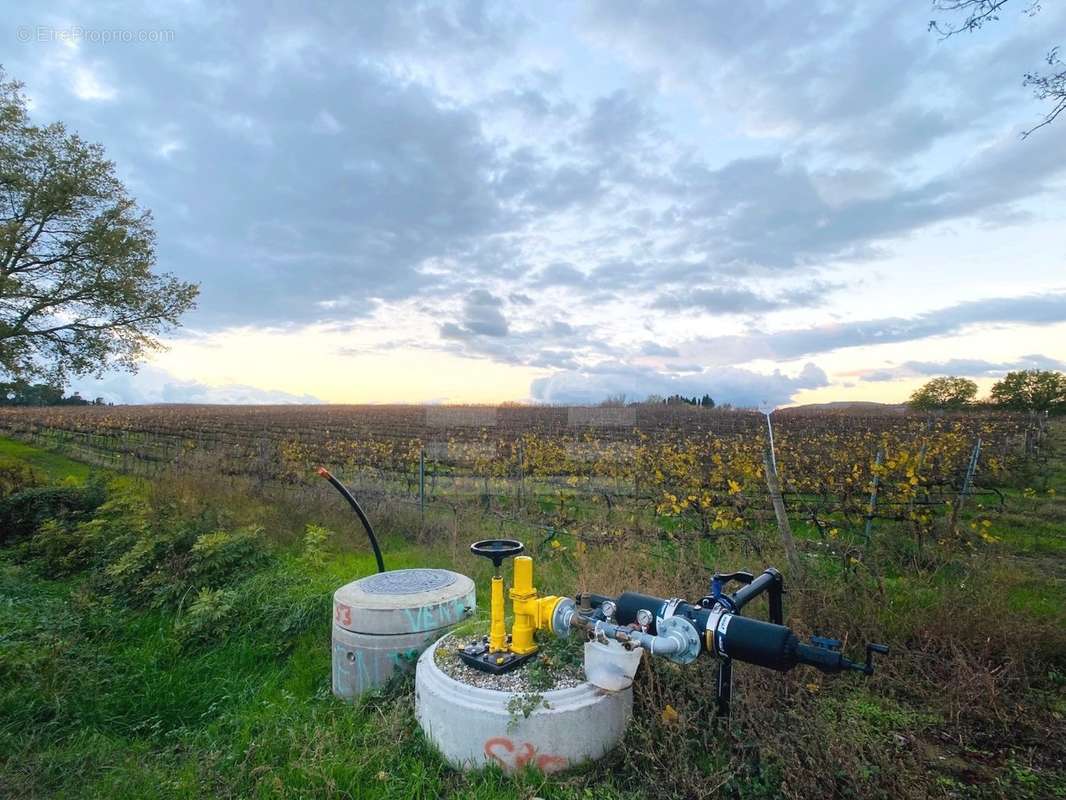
<point>607,608</point>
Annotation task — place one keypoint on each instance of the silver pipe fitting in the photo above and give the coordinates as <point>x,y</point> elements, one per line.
<point>677,639</point>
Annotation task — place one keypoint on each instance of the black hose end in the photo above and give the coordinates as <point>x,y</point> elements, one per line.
<point>347,495</point>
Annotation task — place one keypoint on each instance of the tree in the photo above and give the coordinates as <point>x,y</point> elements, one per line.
<point>20,393</point>
<point>1031,390</point>
<point>77,291</point>
<point>947,394</point>
<point>975,14</point>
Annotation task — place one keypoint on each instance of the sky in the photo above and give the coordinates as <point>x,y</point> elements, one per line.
<point>771,202</point>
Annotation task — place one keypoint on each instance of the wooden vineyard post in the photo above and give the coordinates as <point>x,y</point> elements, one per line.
<point>967,486</point>
<point>783,527</point>
<point>422,484</point>
<point>875,485</point>
<point>521,475</point>
<point>918,472</point>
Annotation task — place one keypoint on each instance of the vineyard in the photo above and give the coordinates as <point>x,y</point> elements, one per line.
<point>696,469</point>
<point>168,635</point>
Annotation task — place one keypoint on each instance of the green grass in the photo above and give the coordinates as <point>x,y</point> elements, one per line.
<point>101,698</point>
<point>107,704</point>
<point>56,466</point>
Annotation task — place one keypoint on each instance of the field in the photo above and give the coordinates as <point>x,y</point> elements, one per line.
<point>165,612</point>
<point>561,466</point>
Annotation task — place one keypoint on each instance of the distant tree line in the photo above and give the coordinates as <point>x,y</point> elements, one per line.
<point>21,393</point>
<point>657,399</point>
<point>1021,390</point>
<point>677,399</point>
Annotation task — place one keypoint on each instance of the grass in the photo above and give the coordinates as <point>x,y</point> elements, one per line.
<point>104,697</point>
<point>53,464</point>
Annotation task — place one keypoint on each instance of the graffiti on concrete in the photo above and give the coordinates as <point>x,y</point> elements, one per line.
<point>504,752</point>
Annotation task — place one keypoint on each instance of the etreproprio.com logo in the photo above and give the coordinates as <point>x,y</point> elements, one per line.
<point>76,33</point>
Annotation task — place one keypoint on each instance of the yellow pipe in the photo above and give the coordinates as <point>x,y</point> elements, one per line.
<point>497,629</point>
<point>523,577</point>
<point>531,613</point>
<point>522,591</point>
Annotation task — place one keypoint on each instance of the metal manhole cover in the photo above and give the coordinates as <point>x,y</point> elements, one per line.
<point>407,581</point>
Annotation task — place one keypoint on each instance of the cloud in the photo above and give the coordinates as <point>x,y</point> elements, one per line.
<point>965,367</point>
<point>656,349</point>
<point>538,205</point>
<point>559,274</point>
<point>726,385</point>
<point>1042,309</point>
<point>269,214</point>
<point>481,317</point>
<point>740,300</point>
<point>154,385</point>
<point>326,123</point>
<point>862,80</point>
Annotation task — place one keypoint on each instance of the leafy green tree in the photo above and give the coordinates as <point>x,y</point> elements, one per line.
<point>948,394</point>
<point>1031,390</point>
<point>21,393</point>
<point>77,290</point>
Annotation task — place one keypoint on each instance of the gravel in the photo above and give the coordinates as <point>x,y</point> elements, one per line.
<point>564,676</point>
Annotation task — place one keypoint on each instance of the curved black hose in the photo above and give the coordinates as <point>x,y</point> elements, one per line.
<point>340,487</point>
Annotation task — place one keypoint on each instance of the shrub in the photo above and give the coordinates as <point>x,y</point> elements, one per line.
<point>168,561</point>
<point>314,550</point>
<point>208,618</point>
<point>24,512</point>
<point>217,557</point>
<point>16,475</point>
<point>134,552</point>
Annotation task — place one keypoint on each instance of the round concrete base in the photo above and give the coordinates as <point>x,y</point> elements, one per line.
<point>473,727</point>
<point>383,621</point>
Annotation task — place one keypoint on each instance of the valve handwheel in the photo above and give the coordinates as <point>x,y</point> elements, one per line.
<point>497,550</point>
<point>494,654</point>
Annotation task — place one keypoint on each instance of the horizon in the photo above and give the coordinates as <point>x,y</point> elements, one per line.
<point>476,204</point>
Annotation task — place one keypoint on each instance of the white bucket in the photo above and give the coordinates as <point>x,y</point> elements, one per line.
<point>610,666</point>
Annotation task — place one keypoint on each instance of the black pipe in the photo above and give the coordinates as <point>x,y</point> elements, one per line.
<point>340,487</point>
<point>770,581</point>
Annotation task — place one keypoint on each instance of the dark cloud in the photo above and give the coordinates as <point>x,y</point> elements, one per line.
<point>769,213</point>
<point>739,300</point>
<point>729,385</point>
<point>481,317</point>
<point>861,80</point>
<point>559,274</point>
<point>617,121</point>
<point>301,175</point>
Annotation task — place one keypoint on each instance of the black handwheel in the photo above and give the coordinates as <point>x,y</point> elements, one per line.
<point>497,549</point>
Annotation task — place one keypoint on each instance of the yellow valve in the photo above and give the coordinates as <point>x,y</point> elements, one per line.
<point>497,629</point>
<point>531,613</point>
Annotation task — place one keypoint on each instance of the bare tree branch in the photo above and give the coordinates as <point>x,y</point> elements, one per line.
<point>978,13</point>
